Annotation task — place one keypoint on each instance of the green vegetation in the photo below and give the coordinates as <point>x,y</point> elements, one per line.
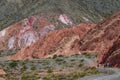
<point>55,56</point>
<point>88,55</point>
<point>72,75</point>
<point>50,70</point>
<point>33,68</point>
<point>80,65</point>
<point>29,77</point>
<point>69,68</point>
<point>13,64</point>
<point>8,52</point>
<point>81,60</point>
<point>23,69</point>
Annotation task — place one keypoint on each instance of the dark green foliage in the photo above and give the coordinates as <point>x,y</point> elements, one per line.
<point>60,56</point>
<point>13,64</point>
<point>33,68</point>
<point>81,60</point>
<point>23,69</point>
<point>88,55</point>
<point>50,70</point>
<point>55,56</point>
<point>80,65</point>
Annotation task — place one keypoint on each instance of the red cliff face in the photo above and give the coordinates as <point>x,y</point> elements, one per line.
<point>63,41</point>
<point>113,55</point>
<point>104,38</point>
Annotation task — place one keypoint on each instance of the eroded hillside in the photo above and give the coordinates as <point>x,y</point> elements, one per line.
<point>59,42</point>
<point>12,11</point>
<point>102,39</point>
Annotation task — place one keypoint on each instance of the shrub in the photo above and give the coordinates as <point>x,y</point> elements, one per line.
<point>50,70</point>
<point>87,55</point>
<point>55,56</point>
<point>13,64</point>
<point>72,60</point>
<point>60,56</point>
<point>80,65</point>
<point>81,60</point>
<point>33,68</point>
<point>23,68</point>
<point>29,77</point>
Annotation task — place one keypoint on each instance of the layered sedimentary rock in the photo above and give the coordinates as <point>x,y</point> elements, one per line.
<point>64,42</point>
<point>113,55</point>
<point>102,39</point>
<point>27,31</point>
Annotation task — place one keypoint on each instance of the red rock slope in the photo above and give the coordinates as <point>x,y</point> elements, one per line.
<point>102,39</point>
<point>25,32</point>
<point>113,55</point>
<point>63,41</point>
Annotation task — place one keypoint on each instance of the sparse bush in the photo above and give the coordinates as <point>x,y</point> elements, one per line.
<point>13,64</point>
<point>72,60</point>
<point>60,56</point>
<point>50,70</point>
<point>81,60</point>
<point>23,68</point>
<point>29,77</point>
<point>59,60</point>
<point>80,65</point>
<point>87,55</point>
<point>55,56</point>
<point>33,68</point>
<point>91,70</point>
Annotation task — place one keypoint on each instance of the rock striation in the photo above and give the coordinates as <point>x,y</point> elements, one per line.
<point>28,30</point>
<point>60,42</point>
<point>104,39</point>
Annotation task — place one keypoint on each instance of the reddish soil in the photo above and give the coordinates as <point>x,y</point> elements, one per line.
<point>2,79</point>
<point>2,72</point>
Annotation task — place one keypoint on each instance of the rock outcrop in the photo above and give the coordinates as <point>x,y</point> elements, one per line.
<point>27,31</point>
<point>104,38</point>
<point>113,55</point>
<point>64,42</point>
